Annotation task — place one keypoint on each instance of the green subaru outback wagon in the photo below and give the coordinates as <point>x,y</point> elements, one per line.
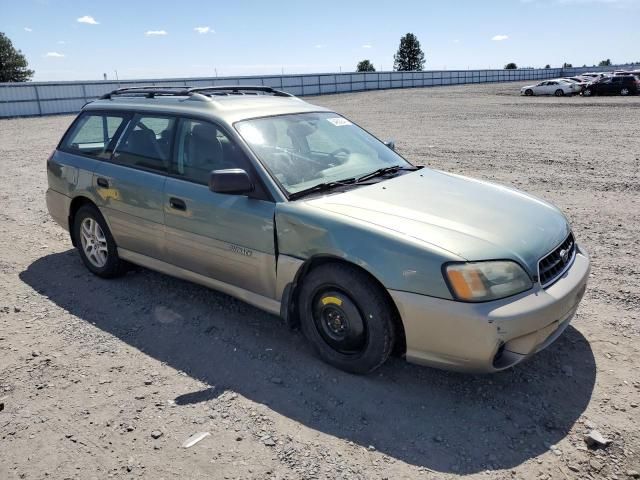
<point>295,209</point>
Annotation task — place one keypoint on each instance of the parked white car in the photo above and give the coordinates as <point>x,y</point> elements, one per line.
<point>579,83</point>
<point>557,87</point>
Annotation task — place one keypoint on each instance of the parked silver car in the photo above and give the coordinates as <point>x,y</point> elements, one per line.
<point>558,87</point>
<point>295,209</point>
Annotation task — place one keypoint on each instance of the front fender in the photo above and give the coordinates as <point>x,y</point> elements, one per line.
<point>397,261</point>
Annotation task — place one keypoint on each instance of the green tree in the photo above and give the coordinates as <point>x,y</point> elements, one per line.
<point>365,66</point>
<point>605,63</point>
<point>409,56</point>
<point>13,64</point>
<point>567,65</point>
<point>510,66</point>
<point>547,66</point>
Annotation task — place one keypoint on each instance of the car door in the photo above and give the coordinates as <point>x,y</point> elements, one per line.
<point>540,89</point>
<point>617,84</point>
<point>229,238</point>
<point>131,184</point>
<point>551,87</point>
<point>605,86</point>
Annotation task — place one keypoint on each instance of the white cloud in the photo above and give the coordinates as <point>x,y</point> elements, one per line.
<point>154,33</point>
<point>203,30</point>
<point>366,45</point>
<point>320,45</point>
<point>61,42</point>
<point>88,19</point>
<point>27,29</point>
<point>54,55</point>
<point>499,38</point>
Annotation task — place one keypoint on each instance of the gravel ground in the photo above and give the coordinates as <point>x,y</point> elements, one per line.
<point>107,379</point>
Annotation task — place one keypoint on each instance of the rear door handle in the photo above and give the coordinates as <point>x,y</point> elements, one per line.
<point>177,204</point>
<point>102,182</point>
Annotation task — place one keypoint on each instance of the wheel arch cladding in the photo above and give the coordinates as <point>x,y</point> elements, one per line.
<point>76,204</point>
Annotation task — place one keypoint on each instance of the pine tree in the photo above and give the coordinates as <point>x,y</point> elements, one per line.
<point>409,56</point>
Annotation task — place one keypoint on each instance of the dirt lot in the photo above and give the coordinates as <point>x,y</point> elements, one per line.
<point>92,370</point>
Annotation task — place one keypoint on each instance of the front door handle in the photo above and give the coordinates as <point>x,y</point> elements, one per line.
<point>177,204</point>
<point>102,182</point>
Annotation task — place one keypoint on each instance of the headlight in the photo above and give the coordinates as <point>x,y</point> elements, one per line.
<point>482,281</point>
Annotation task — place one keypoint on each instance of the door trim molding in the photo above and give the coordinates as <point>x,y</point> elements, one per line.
<point>268,304</point>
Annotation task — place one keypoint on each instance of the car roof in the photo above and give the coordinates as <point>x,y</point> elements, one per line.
<point>223,107</point>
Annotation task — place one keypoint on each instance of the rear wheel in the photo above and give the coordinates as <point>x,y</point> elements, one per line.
<point>528,92</point>
<point>624,91</point>
<point>95,243</point>
<point>587,92</point>
<point>559,93</point>
<point>347,317</point>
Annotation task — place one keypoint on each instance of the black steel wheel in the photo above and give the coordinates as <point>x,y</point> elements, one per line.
<point>339,322</point>
<point>347,317</point>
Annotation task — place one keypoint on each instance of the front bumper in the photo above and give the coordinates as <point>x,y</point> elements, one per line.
<point>491,336</point>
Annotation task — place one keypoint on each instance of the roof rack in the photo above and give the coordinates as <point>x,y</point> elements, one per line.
<point>239,90</point>
<point>153,91</point>
<point>147,92</point>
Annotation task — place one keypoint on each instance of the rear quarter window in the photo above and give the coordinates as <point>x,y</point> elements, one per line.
<point>93,134</point>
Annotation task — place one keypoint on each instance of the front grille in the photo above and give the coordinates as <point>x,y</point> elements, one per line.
<point>551,267</point>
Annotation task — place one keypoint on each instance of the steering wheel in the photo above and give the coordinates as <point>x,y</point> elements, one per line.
<point>343,151</point>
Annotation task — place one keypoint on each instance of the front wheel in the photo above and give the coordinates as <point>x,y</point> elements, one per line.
<point>587,92</point>
<point>95,243</point>
<point>559,93</point>
<point>347,317</point>
<point>528,92</point>
<point>624,92</point>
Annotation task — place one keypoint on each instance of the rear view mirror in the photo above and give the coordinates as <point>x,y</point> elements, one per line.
<point>233,181</point>
<point>391,144</point>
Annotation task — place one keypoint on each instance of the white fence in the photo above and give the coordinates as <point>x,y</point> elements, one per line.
<point>47,98</point>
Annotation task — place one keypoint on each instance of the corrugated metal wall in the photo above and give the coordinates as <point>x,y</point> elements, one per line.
<point>46,98</point>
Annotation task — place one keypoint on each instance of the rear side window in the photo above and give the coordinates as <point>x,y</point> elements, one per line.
<point>146,143</point>
<point>93,134</point>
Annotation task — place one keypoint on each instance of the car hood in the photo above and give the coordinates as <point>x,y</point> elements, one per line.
<point>472,219</point>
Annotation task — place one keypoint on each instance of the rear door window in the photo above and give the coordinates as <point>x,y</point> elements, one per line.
<point>94,134</point>
<point>146,143</point>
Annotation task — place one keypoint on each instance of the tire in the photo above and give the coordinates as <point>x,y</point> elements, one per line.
<point>528,92</point>
<point>559,93</point>
<point>624,91</point>
<point>95,243</point>
<point>347,317</point>
<point>587,92</point>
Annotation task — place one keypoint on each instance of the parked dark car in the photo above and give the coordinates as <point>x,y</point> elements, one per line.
<point>621,85</point>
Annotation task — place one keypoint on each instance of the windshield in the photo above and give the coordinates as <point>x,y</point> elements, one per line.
<point>306,149</point>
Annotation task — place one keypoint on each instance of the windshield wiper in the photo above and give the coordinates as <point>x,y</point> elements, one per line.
<point>321,187</point>
<point>383,171</point>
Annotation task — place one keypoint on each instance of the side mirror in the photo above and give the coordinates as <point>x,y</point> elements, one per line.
<point>391,144</point>
<point>233,181</point>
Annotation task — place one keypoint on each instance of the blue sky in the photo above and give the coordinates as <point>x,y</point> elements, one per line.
<point>75,39</point>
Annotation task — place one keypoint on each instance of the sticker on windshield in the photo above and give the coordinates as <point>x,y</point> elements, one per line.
<point>339,121</point>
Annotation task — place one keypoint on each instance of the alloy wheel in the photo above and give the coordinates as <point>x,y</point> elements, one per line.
<point>94,242</point>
